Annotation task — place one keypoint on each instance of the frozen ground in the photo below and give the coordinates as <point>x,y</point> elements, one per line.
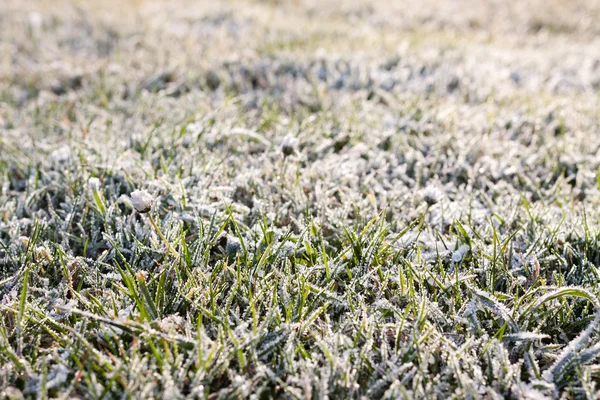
<point>432,232</point>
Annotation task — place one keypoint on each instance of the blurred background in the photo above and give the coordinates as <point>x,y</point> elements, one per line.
<point>467,47</point>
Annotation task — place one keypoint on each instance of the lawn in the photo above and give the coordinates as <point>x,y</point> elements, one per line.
<point>299,199</point>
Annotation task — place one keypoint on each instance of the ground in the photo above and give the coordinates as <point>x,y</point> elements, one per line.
<point>349,199</point>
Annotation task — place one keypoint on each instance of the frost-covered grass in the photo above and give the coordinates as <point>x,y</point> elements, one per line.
<point>350,199</point>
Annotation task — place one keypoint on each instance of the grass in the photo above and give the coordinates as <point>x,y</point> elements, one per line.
<point>433,235</point>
